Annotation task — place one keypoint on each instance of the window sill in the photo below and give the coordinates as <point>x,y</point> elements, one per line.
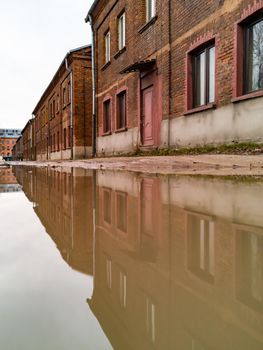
<point>106,65</point>
<point>107,133</point>
<point>200,109</point>
<point>120,52</point>
<point>120,130</point>
<point>148,24</point>
<point>247,96</point>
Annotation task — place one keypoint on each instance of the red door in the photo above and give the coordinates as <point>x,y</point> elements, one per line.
<point>147,117</point>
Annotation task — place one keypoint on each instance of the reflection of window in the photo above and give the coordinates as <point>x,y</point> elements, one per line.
<point>123,289</point>
<point>121,211</point>
<point>151,319</point>
<point>250,269</point>
<point>109,272</point>
<point>201,247</point>
<point>254,56</point>
<point>107,206</point>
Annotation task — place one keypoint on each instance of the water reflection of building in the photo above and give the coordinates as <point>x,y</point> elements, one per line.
<point>178,263</point>
<point>8,181</point>
<point>63,204</point>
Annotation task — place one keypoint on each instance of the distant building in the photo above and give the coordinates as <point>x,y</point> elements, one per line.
<point>8,138</point>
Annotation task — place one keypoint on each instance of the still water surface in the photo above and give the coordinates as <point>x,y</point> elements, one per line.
<point>112,260</point>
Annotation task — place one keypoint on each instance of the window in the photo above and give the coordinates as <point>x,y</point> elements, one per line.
<point>54,108</point>
<point>69,137</point>
<point>121,110</point>
<point>64,97</point>
<point>58,139</point>
<point>254,56</point>
<point>121,29</point>
<point>107,47</point>
<point>203,68</point>
<point>69,92</point>
<point>65,138</point>
<point>150,9</point>
<point>107,116</point>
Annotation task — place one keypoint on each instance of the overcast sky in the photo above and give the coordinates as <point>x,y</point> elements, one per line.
<point>35,36</point>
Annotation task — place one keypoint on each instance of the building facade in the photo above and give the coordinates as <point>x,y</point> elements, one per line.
<point>62,117</point>
<point>8,138</point>
<point>18,149</point>
<point>177,73</point>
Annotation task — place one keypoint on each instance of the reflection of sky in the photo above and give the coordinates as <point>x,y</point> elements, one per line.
<point>42,300</point>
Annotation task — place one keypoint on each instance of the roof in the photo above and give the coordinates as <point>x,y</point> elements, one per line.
<point>55,75</point>
<point>139,66</point>
<point>91,10</point>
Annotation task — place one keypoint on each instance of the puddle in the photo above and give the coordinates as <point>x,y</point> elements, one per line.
<point>115,260</point>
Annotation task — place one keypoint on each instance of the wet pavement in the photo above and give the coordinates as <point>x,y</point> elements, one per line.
<point>205,164</point>
<point>124,260</point>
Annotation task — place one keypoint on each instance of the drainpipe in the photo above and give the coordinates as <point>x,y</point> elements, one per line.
<point>94,117</point>
<point>71,106</point>
<point>170,73</point>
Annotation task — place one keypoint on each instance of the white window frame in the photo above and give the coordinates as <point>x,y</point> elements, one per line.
<point>150,9</point>
<point>107,46</point>
<point>122,30</point>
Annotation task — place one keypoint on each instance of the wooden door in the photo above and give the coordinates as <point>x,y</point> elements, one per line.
<point>147,117</point>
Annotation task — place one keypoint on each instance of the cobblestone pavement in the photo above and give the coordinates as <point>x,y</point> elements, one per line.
<point>199,164</point>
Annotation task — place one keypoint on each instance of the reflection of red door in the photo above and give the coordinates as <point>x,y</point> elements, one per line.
<point>147,117</point>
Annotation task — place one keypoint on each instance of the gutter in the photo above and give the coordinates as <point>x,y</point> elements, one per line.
<point>71,105</point>
<point>94,116</point>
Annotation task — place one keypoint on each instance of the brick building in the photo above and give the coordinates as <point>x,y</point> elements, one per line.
<point>28,141</point>
<point>62,116</point>
<point>18,149</point>
<point>177,73</point>
<point>8,138</point>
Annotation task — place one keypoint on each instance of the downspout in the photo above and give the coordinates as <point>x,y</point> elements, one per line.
<point>71,105</point>
<point>170,73</point>
<point>94,117</point>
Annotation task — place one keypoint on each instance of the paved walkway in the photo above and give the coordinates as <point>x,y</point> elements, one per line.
<point>199,164</point>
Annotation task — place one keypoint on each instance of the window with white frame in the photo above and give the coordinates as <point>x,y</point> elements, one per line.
<point>150,9</point>
<point>121,30</point>
<point>107,47</point>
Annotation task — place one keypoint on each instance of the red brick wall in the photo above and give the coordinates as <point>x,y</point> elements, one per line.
<point>52,121</point>
<point>150,43</point>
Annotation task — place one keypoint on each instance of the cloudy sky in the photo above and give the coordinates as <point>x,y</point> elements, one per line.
<point>35,35</point>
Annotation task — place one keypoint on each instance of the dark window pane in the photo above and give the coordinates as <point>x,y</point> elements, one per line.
<point>255,57</point>
<point>107,116</point>
<point>121,120</point>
